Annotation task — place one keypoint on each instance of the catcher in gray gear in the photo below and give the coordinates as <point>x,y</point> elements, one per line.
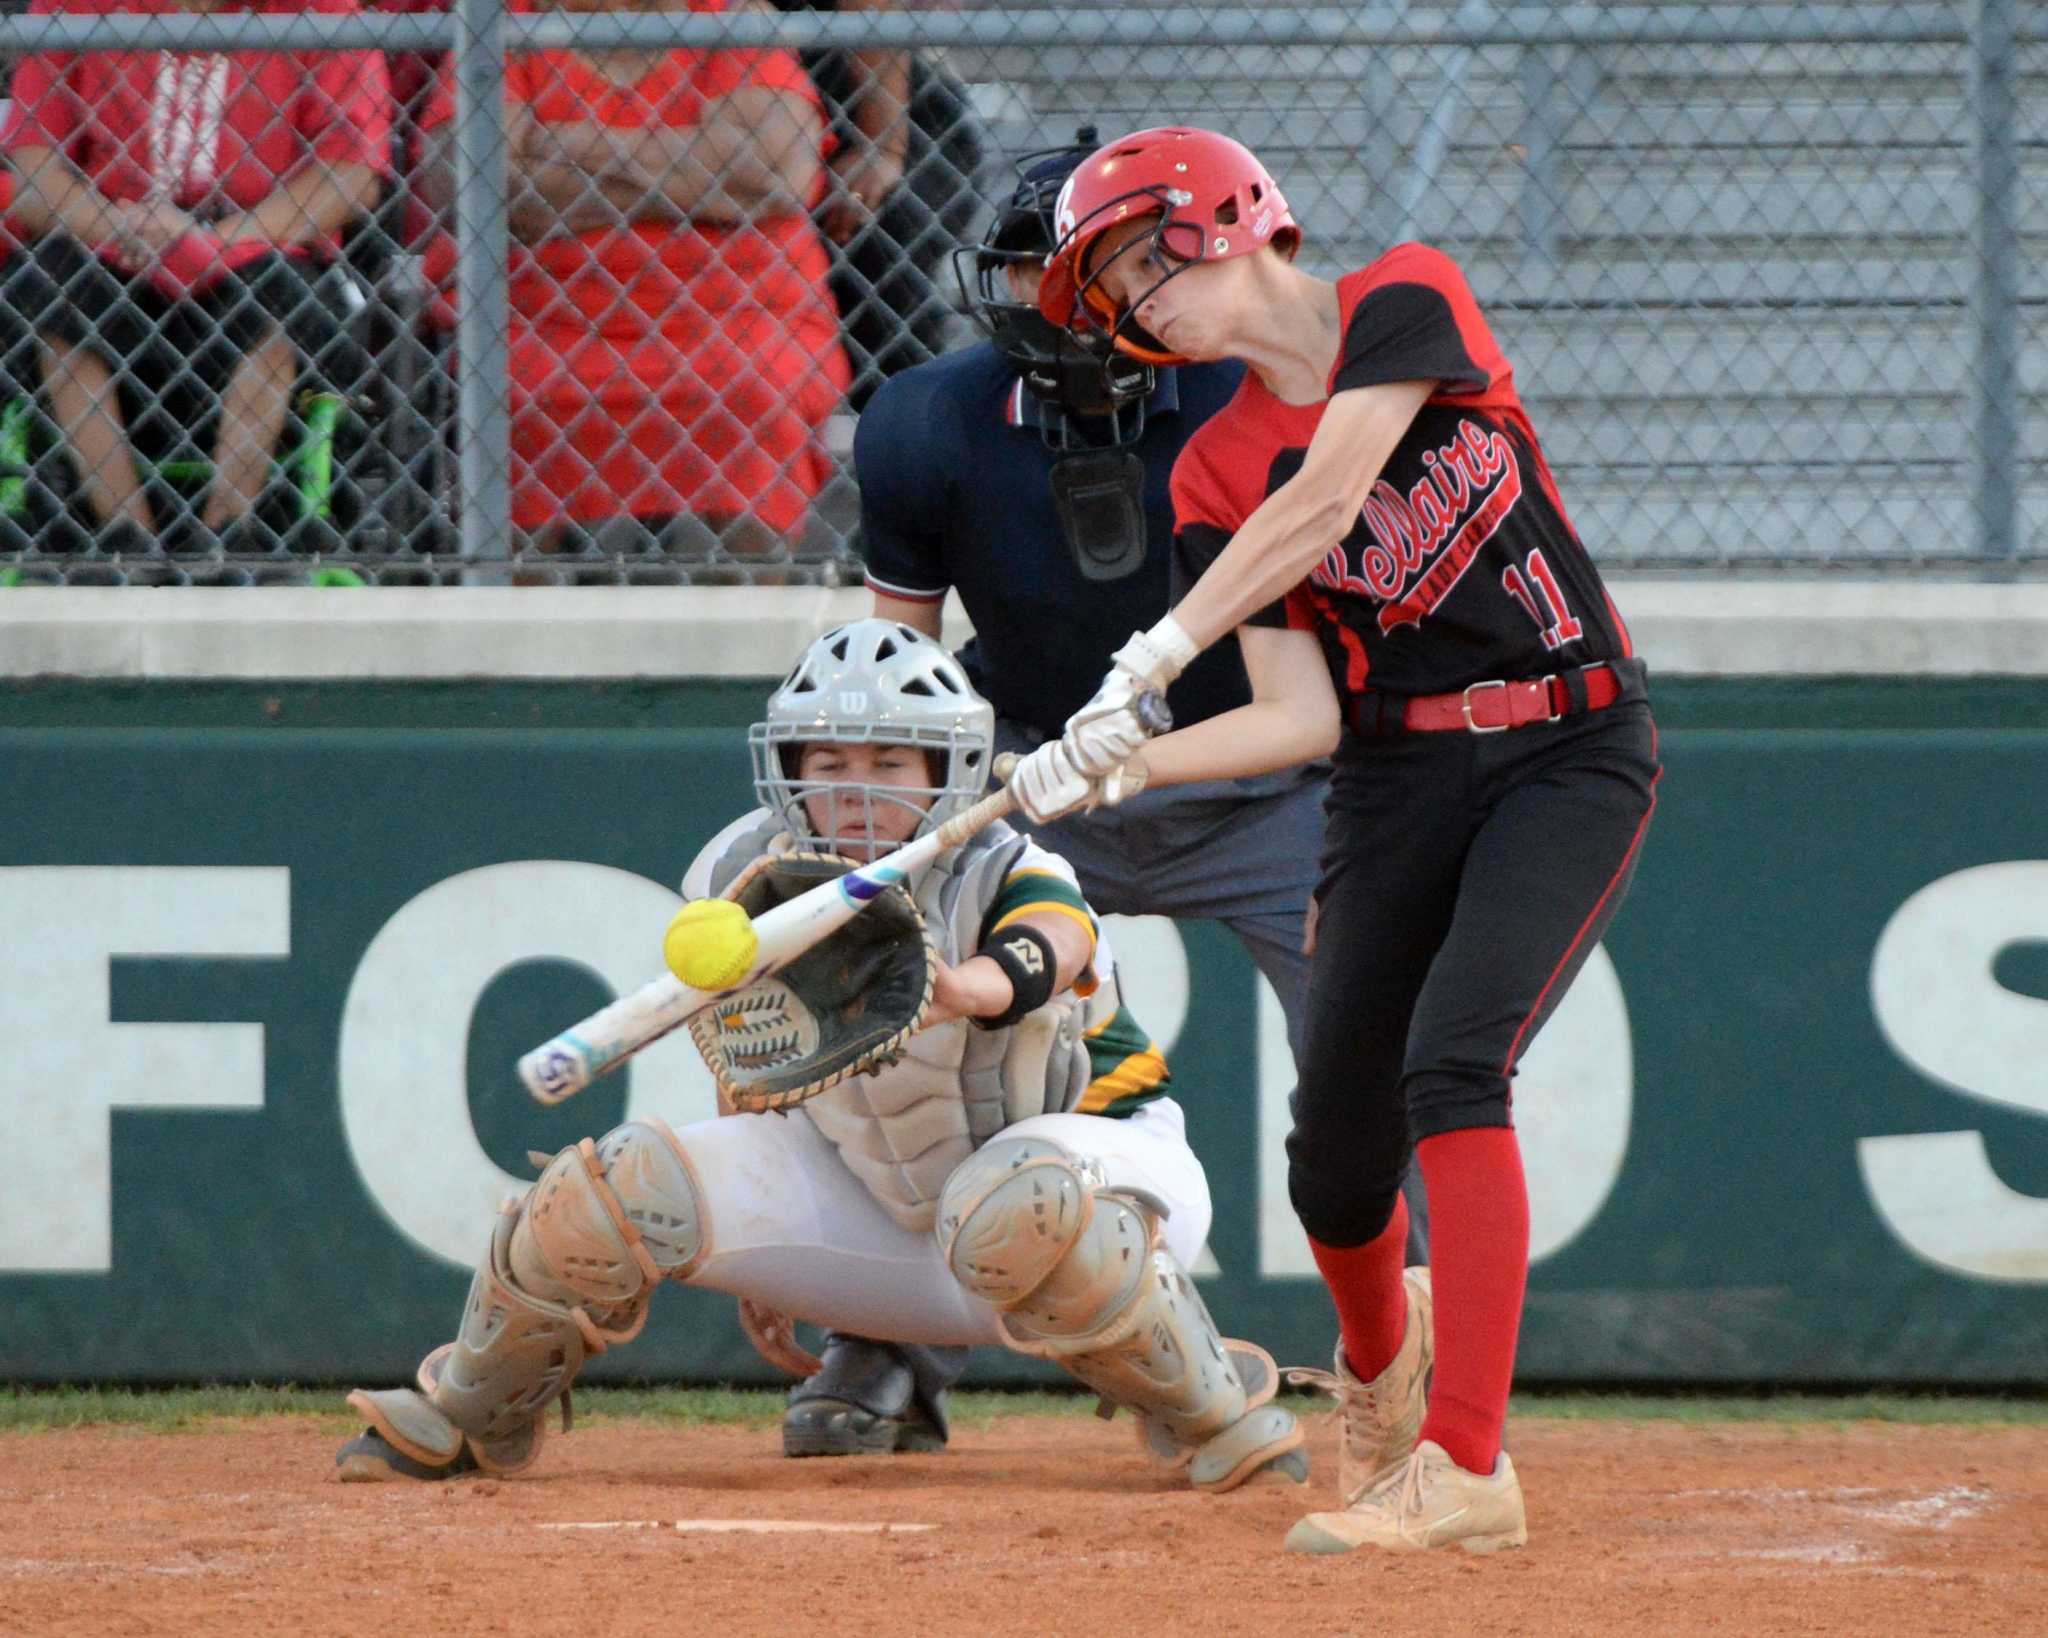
<point>1010,1171</point>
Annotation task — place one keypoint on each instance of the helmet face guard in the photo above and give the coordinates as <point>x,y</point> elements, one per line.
<point>852,808</point>
<point>1173,240</point>
<point>1077,371</point>
<point>1209,198</point>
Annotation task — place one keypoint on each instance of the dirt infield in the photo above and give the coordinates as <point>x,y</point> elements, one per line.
<point>1039,1525</point>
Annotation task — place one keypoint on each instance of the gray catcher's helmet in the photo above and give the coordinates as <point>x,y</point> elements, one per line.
<point>874,682</point>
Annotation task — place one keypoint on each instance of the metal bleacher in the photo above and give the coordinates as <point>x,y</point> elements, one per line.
<point>1734,280</point>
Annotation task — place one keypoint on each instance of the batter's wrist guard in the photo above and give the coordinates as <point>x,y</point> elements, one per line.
<point>1026,957</point>
<point>1157,657</point>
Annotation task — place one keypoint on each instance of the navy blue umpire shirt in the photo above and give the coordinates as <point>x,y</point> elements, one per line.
<point>956,490</point>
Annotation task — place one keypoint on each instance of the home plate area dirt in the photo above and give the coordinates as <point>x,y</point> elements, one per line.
<point>1038,1525</point>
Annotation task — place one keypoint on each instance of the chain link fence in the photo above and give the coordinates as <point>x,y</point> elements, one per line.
<point>594,295</point>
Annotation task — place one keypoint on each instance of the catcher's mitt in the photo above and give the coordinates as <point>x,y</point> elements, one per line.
<point>843,1007</point>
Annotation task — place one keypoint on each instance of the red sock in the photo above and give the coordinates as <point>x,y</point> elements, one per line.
<point>1372,1303</point>
<point>1479,1264</point>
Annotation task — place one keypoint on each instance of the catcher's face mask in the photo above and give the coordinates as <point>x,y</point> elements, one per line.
<point>878,686</point>
<point>864,799</point>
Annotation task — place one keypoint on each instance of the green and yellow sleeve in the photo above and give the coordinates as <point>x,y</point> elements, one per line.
<point>1033,892</point>
<point>1126,1066</point>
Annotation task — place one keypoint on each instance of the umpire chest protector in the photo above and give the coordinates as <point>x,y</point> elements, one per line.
<point>1099,497</point>
<point>903,1129</point>
<point>1090,418</point>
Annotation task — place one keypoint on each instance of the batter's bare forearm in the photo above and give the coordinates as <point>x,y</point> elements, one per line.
<point>1274,552</point>
<point>1253,739</point>
<point>1294,528</point>
<point>1294,716</point>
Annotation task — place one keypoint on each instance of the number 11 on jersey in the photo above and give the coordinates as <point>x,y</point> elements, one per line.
<point>1560,628</point>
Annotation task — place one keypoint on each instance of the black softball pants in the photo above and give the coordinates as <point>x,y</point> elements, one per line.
<point>1465,880</point>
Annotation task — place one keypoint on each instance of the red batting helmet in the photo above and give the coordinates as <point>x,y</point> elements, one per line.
<point>1213,198</point>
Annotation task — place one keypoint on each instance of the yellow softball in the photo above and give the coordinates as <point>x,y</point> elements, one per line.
<point>710,944</point>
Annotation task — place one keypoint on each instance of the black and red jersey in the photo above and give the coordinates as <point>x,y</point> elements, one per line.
<point>1462,565</point>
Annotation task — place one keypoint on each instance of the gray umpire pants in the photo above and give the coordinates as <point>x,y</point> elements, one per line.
<point>1244,852</point>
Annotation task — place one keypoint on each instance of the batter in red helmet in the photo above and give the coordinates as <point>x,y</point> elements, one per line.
<point>1373,515</point>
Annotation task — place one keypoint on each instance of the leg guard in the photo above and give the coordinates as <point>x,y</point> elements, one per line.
<point>1083,1277</point>
<point>569,1273</point>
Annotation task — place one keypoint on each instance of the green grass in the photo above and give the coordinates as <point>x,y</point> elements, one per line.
<point>194,1410</point>
<point>36,1410</point>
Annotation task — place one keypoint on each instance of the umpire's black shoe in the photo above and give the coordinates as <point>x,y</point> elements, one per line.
<point>872,1398</point>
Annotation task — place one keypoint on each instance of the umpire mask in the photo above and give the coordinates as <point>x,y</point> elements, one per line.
<point>1070,375</point>
<point>1091,395</point>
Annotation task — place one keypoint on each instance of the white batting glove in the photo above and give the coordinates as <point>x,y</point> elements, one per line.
<point>1106,732</point>
<point>1047,787</point>
<point>1157,657</point>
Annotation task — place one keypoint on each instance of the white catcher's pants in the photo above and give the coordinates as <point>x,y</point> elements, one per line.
<point>791,1227</point>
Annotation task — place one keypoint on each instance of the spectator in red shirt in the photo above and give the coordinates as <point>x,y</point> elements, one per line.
<point>674,349</point>
<point>175,200</point>
<point>907,150</point>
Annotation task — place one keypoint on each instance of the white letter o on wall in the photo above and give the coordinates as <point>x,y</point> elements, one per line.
<point>1574,1096</point>
<point>403,1068</point>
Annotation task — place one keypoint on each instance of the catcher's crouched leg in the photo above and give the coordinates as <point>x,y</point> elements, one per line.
<point>569,1272</point>
<point>1083,1277</point>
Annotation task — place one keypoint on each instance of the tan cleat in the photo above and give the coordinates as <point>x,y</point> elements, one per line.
<point>1380,1419</point>
<point>1427,1502</point>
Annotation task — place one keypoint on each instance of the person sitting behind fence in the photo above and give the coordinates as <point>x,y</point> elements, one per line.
<point>176,202</point>
<point>674,350</point>
<point>908,148</point>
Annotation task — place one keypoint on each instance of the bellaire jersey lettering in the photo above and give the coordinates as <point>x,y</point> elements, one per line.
<point>1462,565</point>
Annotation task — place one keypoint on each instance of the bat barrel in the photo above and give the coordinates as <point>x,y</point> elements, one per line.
<point>565,1065</point>
<point>555,1070</point>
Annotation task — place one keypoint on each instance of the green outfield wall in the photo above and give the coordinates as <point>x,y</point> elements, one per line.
<point>269,949</point>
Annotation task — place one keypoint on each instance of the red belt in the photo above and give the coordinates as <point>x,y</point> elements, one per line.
<point>1492,707</point>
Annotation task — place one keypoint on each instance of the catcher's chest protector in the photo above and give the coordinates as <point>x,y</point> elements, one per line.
<point>904,1128</point>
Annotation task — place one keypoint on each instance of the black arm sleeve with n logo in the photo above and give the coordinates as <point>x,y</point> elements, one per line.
<point>1029,961</point>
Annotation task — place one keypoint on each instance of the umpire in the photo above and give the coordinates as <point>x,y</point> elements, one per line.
<point>1031,473</point>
